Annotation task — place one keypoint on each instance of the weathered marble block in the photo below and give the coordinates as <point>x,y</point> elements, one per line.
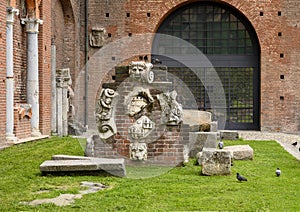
<point>240,152</point>
<point>215,161</point>
<point>64,163</point>
<point>198,120</point>
<point>229,134</point>
<point>200,140</point>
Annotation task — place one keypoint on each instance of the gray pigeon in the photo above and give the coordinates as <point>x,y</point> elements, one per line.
<point>240,177</point>
<point>278,172</point>
<point>221,145</point>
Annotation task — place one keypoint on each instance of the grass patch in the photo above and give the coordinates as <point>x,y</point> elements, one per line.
<point>176,189</point>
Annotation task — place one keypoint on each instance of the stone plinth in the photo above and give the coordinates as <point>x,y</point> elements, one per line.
<point>200,140</point>
<point>215,162</point>
<point>240,152</point>
<point>63,163</point>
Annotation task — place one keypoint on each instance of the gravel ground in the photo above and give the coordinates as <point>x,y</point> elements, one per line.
<point>285,140</point>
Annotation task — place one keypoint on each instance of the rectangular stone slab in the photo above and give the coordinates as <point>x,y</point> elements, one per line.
<point>69,157</point>
<point>112,166</point>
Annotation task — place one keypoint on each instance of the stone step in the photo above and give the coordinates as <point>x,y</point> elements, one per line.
<point>62,163</point>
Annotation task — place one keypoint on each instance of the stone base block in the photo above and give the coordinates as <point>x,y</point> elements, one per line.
<point>62,163</point>
<point>229,135</point>
<point>200,140</point>
<point>215,162</point>
<point>240,152</point>
<point>214,126</point>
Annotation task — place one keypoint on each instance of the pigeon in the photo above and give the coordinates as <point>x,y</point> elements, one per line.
<point>155,61</point>
<point>240,177</point>
<point>295,143</point>
<point>278,172</point>
<point>221,145</point>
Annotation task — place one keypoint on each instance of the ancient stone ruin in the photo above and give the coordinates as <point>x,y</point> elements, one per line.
<point>139,120</point>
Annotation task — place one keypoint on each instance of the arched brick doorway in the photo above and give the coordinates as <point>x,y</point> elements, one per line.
<point>229,41</point>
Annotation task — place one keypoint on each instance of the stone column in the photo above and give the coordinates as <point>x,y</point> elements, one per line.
<point>32,26</point>
<point>62,82</point>
<point>53,90</point>
<point>11,12</point>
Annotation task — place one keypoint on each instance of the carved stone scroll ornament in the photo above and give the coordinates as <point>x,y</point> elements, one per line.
<point>105,113</point>
<point>141,71</point>
<point>138,151</point>
<point>171,109</point>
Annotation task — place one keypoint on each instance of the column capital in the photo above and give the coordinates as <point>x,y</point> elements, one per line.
<point>32,24</point>
<point>63,77</point>
<point>10,14</point>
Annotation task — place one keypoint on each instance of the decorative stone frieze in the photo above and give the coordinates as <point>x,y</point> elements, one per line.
<point>141,71</point>
<point>105,113</point>
<point>172,112</point>
<point>97,37</point>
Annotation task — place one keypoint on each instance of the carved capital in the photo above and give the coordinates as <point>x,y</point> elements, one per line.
<point>32,24</point>
<point>63,78</point>
<point>10,14</point>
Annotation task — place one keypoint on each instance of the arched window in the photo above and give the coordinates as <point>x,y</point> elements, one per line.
<point>230,43</point>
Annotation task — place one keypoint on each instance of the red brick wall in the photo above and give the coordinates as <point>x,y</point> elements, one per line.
<point>279,98</point>
<point>22,126</point>
<point>2,70</point>
<point>44,42</point>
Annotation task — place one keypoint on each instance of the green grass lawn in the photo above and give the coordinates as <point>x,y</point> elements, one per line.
<point>176,189</point>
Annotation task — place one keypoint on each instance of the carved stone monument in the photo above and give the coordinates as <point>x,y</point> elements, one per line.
<point>140,112</point>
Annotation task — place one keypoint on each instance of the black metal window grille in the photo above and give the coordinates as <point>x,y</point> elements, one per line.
<point>230,43</point>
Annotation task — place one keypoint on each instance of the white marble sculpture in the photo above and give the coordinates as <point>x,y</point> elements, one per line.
<point>138,151</point>
<point>141,128</point>
<point>138,100</point>
<point>172,112</point>
<point>141,71</point>
<point>105,113</point>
